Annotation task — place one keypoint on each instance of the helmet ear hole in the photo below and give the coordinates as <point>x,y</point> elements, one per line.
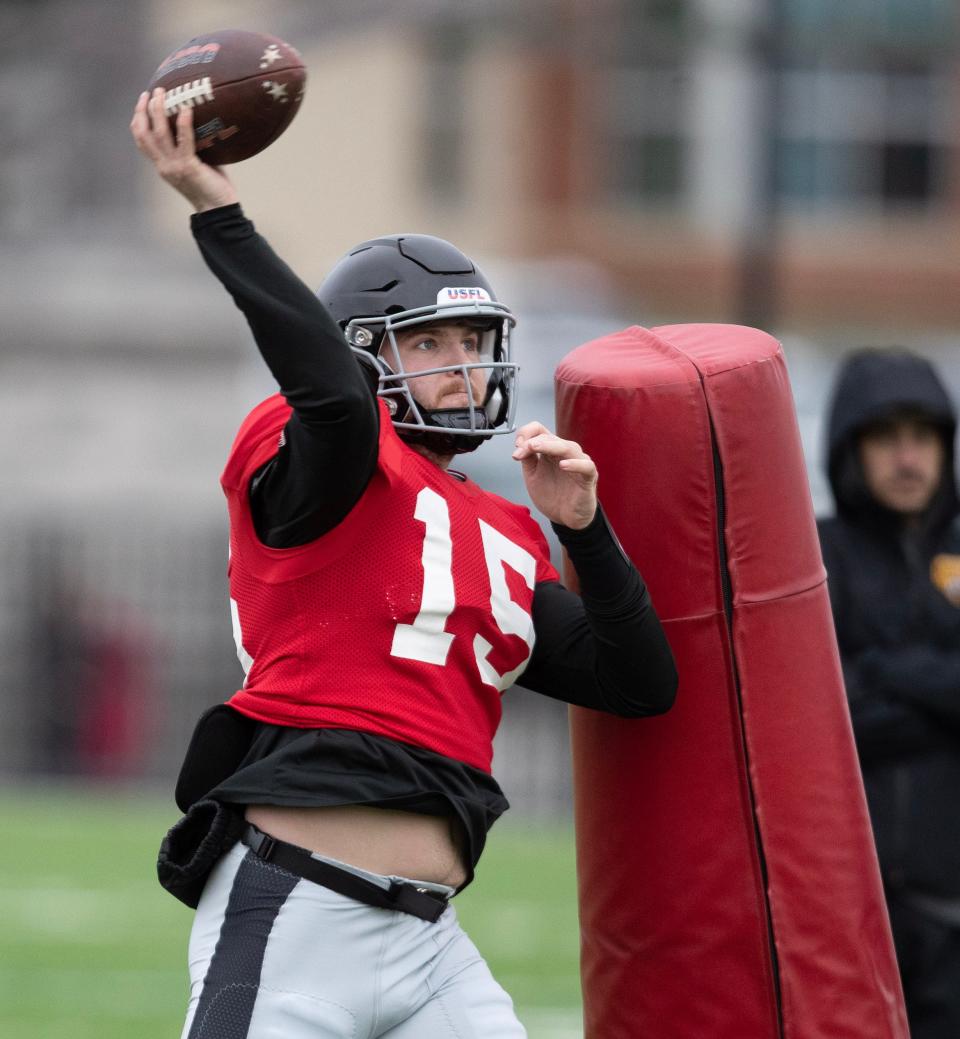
<point>360,336</point>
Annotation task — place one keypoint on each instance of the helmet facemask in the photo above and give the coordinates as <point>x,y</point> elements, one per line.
<point>489,410</point>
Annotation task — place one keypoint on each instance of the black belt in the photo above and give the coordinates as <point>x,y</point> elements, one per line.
<point>406,898</point>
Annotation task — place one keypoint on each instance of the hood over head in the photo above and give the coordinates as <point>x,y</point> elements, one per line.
<point>877,384</point>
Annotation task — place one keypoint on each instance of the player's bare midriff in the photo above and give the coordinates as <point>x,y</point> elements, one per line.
<point>421,847</point>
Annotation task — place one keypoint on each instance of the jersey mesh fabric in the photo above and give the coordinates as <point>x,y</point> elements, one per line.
<point>447,565</point>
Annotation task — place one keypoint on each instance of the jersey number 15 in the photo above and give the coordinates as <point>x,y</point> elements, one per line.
<point>425,639</point>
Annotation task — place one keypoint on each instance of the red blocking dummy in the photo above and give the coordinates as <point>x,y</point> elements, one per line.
<point>728,883</point>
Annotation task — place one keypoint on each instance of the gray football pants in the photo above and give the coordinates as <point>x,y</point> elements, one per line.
<point>273,956</point>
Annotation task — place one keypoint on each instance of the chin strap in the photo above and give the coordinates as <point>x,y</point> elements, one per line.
<point>441,443</point>
<point>434,437</point>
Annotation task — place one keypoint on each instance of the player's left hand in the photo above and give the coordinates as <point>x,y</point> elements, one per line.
<point>561,478</point>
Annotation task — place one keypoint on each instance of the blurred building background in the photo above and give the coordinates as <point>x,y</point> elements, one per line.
<point>792,164</point>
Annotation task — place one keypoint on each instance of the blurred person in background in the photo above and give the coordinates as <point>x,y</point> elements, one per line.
<point>892,554</point>
<point>90,691</point>
<point>382,602</point>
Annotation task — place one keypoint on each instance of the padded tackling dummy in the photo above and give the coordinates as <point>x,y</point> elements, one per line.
<point>728,881</point>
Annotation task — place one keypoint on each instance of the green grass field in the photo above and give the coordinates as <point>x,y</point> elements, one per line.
<point>92,948</point>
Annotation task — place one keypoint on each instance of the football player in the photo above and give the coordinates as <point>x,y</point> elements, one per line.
<point>382,602</point>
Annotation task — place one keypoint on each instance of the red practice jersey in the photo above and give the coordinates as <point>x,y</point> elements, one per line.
<point>407,620</point>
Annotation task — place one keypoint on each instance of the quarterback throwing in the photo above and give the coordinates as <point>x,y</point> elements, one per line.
<point>382,602</point>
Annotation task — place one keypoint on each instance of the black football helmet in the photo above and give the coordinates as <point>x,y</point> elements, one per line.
<point>395,282</point>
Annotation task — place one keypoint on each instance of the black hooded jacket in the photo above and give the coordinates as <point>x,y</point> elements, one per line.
<point>899,634</point>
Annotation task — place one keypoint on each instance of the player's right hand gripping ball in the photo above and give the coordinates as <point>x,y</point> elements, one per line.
<point>244,87</point>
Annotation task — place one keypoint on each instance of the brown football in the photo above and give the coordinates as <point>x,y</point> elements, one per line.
<point>244,87</point>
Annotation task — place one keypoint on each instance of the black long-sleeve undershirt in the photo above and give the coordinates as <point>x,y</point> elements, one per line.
<point>604,649</point>
<point>330,441</point>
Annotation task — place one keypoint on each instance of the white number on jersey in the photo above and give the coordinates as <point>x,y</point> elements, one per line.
<point>511,617</point>
<point>246,661</point>
<point>425,639</point>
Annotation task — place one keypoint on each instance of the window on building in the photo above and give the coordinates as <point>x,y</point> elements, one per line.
<point>866,95</point>
<point>445,112</point>
<point>646,100</point>
<point>874,140</point>
<point>867,100</point>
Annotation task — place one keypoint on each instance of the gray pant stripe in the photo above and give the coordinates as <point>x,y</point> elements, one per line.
<point>233,977</point>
